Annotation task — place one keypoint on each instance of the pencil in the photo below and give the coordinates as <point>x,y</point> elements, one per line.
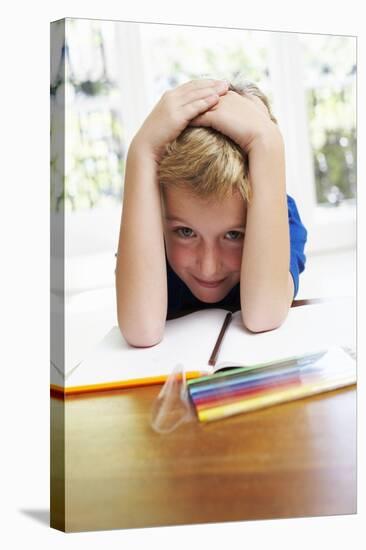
<point>215,352</point>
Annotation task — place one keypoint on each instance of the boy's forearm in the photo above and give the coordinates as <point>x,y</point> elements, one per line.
<point>141,270</point>
<point>266,284</point>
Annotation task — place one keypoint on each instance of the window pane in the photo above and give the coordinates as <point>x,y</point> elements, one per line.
<point>94,150</point>
<point>330,69</point>
<point>175,54</point>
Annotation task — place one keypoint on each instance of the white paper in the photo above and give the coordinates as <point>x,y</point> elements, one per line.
<point>191,339</point>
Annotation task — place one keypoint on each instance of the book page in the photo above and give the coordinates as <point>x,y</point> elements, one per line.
<point>188,340</point>
<point>307,329</point>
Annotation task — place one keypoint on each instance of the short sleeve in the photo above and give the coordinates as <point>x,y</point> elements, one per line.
<point>298,237</point>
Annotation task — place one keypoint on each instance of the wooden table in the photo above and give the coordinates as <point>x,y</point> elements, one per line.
<point>292,460</point>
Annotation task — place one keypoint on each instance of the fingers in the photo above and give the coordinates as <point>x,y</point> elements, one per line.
<point>195,108</point>
<point>194,90</point>
<point>180,105</point>
<point>197,93</point>
<point>198,84</point>
<point>199,96</point>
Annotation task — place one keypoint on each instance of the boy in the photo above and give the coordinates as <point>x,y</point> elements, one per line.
<point>182,239</point>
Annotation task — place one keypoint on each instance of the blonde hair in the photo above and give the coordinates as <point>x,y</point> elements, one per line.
<point>207,162</point>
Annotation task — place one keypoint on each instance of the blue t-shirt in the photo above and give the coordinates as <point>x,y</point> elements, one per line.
<point>180,298</point>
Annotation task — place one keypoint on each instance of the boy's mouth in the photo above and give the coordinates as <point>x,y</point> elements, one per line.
<point>209,284</point>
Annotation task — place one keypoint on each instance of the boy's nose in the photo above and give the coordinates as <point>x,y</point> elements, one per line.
<point>209,264</point>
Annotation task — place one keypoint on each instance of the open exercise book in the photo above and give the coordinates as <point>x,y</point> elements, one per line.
<point>190,340</point>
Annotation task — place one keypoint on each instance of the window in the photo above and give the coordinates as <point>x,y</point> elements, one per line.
<point>316,116</point>
<point>175,54</point>
<point>116,72</point>
<point>94,145</point>
<point>330,81</point>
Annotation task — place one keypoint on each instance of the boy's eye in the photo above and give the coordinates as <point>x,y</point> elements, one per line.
<point>234,235</point>
<point>184,232</point>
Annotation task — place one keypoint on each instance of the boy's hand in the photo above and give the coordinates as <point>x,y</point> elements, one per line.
<point>242,119</point>
<point>175,110</point>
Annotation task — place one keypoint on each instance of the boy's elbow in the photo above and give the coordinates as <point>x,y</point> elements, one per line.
<point>144,343</point>
<point>142,338</point>
<point>263,323</point>
<point>260,327</point>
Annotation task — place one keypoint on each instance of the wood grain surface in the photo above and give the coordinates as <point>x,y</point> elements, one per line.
<point>292,460</point>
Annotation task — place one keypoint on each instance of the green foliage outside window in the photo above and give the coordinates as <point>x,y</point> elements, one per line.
<point>94,141</point>
<point>330,63</point>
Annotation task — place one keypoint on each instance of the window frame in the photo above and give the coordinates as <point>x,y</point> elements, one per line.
<point>322,222</point>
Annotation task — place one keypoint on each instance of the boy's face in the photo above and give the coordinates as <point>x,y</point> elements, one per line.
<point>204,241</point>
